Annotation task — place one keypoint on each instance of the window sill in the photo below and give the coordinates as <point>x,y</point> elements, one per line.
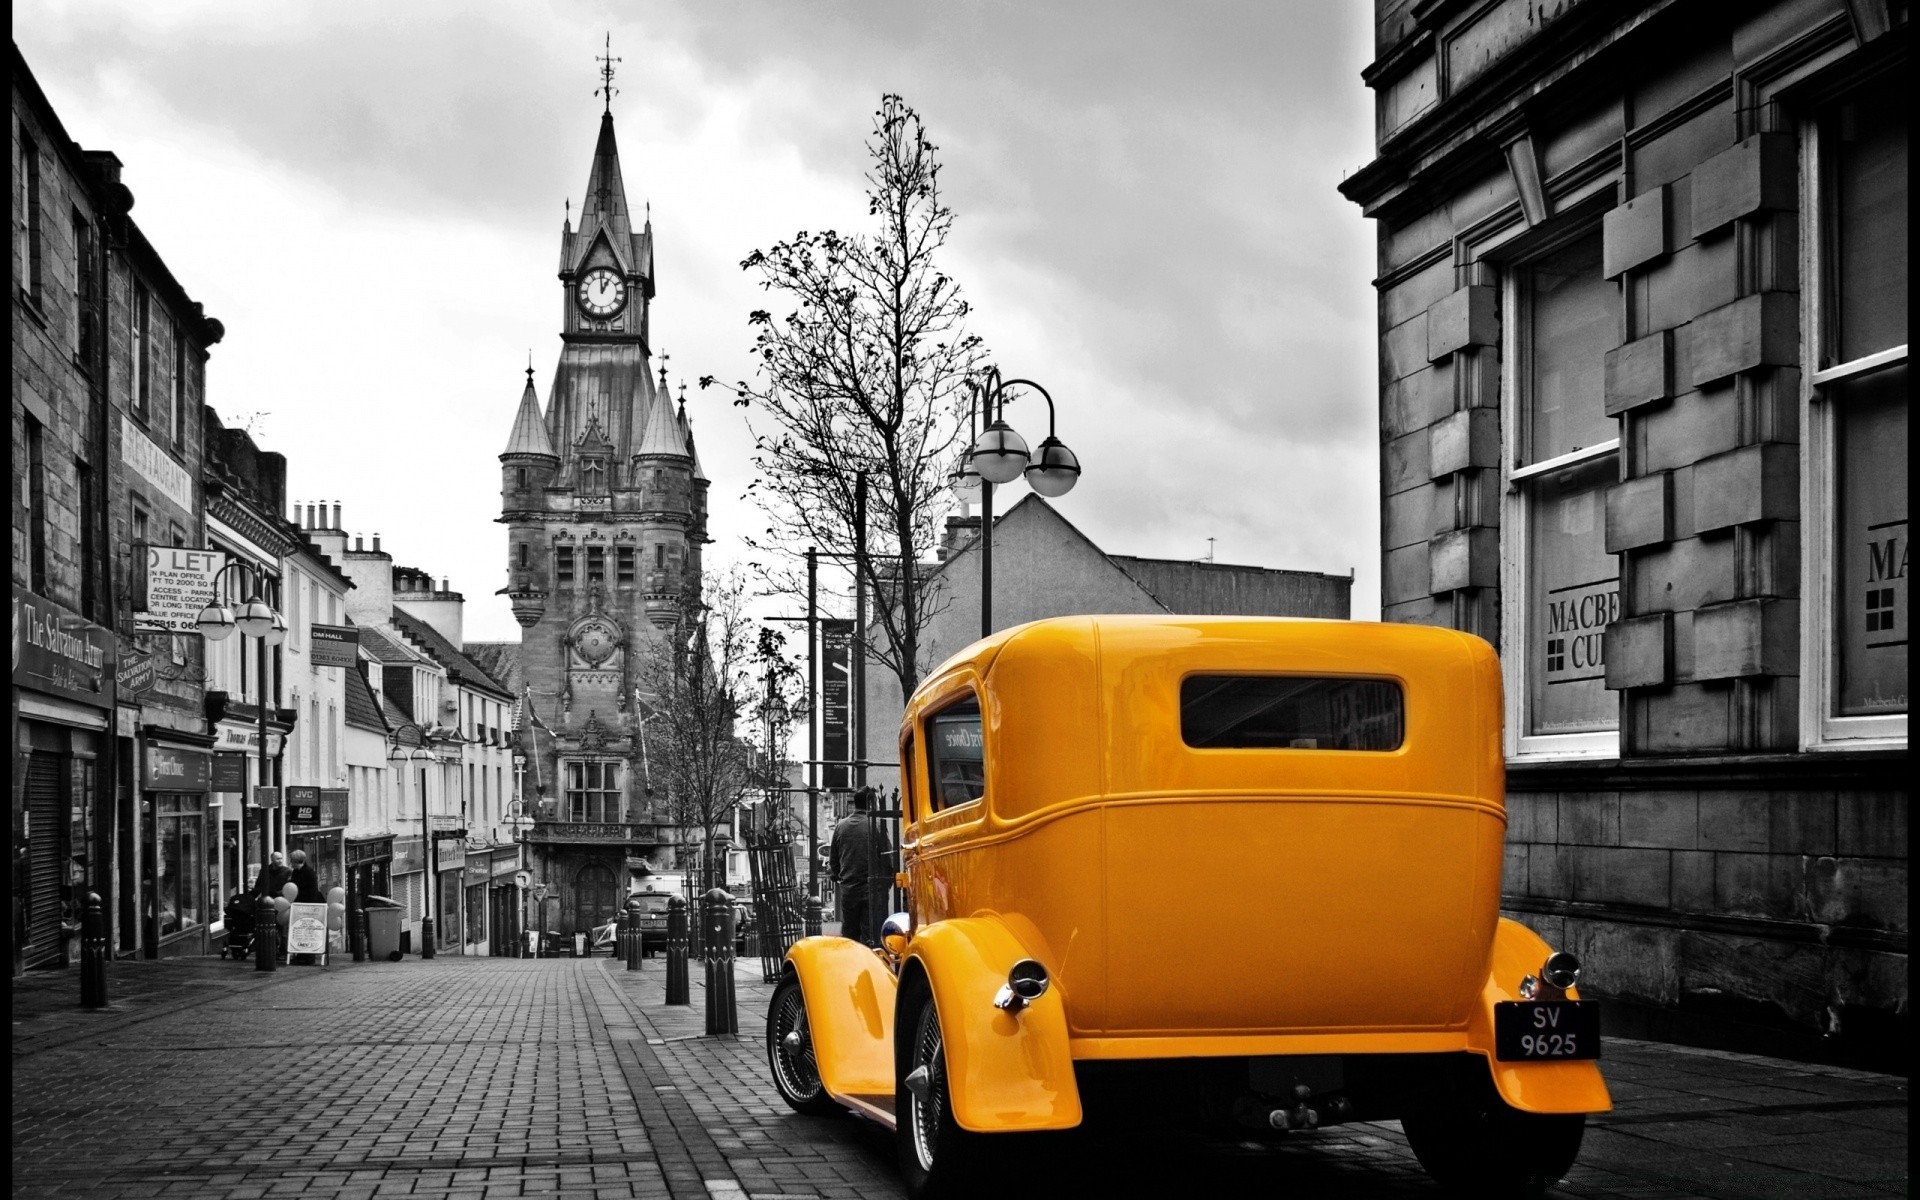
<point>26,301</point>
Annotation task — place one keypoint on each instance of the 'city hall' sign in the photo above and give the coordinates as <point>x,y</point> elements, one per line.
<point>59,653</point>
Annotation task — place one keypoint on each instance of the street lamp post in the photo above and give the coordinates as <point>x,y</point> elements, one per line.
<point>258,620</point>
<point>999,456</point>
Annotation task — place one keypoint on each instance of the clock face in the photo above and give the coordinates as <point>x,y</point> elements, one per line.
<point>602,292</point>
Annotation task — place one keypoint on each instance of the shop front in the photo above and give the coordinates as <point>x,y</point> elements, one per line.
<point>248,808</point>
<point>479,874</point>
<point>317,824</point>
<point>63,693</point>
<point>369,868</point>
<point>450,901</point>
<point>503,901</point>
<point>183,851</point>
<point>408,881</point>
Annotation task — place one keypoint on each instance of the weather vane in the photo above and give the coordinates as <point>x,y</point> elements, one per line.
<point>606,61</point>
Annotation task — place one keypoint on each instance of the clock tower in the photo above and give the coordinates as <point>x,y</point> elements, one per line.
<point>605,506</point>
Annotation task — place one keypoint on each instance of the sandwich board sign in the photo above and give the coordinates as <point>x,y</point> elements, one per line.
<point>307,929</point>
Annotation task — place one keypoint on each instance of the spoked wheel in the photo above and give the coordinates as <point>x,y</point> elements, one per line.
<point>1482,1146</point>
<point>790,1052</point>
<point>934,1151</point>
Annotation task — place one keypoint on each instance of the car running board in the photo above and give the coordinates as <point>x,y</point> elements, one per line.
<point>878,1109</point>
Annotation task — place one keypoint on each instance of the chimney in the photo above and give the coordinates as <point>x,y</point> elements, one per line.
<point>376,543</point>
<point>336,516</point>
<point>357,539</point>
<point>309,524</point>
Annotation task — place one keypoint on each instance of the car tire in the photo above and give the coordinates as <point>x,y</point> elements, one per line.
<point>790,1051</point>
<point>938,1159</point>
<point>1483,1147</point>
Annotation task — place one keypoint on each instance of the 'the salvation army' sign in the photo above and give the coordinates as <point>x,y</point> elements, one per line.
<point>179,584</point>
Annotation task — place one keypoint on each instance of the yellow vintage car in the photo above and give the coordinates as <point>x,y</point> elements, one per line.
<point>1241,871</point>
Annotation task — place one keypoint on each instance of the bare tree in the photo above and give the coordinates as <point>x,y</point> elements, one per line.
<point>697,681</point>
<point>865,374</point>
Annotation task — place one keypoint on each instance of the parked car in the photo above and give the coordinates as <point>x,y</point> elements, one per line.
<point>1077,793</point>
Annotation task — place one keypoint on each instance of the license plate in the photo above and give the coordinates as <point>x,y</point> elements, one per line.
<point>1546,1030</point>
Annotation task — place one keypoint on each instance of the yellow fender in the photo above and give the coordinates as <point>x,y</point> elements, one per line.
<point>849,992</point>
<point>1005,1072</point>
<point>1537,1087</point>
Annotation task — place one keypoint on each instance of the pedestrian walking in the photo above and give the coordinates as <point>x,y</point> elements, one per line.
<point>858,860</point>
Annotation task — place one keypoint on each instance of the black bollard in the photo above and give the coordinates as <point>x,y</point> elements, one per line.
<point>635,937</point>
<point>93,954</point>
<point>677,988</point>
<point>426,937</point>
<point>812,917</point>
<point>356,923</point>
<point>266,935</point>
<point>723,1015</point>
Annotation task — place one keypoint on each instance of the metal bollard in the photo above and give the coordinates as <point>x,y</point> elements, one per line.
<point>677,989</point>
<point>812,917</point>
<point>266,935</point>
<point>635,936</point>
<point>93,954</point>
<point>357,925</point>
<point>723,1015</point>
<point>426,937</point>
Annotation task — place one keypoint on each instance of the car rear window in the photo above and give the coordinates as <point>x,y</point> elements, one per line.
<point>1291,712</point>
<point>956,754</point>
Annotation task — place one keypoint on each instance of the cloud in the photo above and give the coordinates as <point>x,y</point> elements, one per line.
<point>369,196</point>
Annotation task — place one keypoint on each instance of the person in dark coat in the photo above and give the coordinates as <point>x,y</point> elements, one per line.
<point>859,859</point>
<point>273,877</point>
<point>307,880</point>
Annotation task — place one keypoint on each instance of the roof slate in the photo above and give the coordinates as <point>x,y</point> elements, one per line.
<point>385,648</point>
<point>363,708</point>
<point>461,668</point>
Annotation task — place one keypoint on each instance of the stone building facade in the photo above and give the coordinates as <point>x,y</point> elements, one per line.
<point>109,366</point>
<point>605,508</point>
<point>1643,416</point>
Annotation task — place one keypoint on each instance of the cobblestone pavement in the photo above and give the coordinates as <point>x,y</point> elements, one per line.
<point>486,1077</point>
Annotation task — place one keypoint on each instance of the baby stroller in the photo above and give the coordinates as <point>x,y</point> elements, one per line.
<point>239,917</point>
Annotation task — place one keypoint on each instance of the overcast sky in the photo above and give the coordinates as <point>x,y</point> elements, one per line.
<point>369,197</point>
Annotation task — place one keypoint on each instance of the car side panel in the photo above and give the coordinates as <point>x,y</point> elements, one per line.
<point>1005,1072</point>
<point>850,999</point>
<point>1542,1087</point>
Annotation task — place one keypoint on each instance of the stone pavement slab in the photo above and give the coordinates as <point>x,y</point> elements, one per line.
<point>484,1077</point>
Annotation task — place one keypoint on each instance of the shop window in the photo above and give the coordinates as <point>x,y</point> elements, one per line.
<point>180,865</point>
<point>476,915</point>
<point>1562,588</point>
<point>1856,434</point>
<point>593,791</point>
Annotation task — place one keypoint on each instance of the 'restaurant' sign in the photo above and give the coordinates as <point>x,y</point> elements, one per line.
<point>333,645</point>
<point>58,652</point>
<point>179,584</point>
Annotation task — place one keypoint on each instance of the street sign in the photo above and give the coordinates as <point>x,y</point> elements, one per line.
<point>522,878</point>
<point>229,772</point>
<point>333,645</point>
<point>266,797</point>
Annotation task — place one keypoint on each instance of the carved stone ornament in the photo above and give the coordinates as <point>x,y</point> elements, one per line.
<point>595,639</point>
<point>593,735</point>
